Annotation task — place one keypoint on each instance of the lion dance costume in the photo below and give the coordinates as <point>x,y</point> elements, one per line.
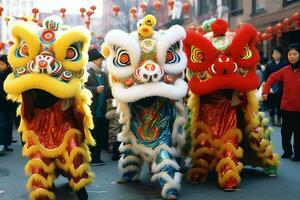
<point>48,75</point>
<point>146,72</point>
<point>225,126</point>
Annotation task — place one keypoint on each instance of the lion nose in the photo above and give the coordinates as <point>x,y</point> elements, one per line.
<point>43,62</point>
<point>149,72</point>
<point>223,65</point>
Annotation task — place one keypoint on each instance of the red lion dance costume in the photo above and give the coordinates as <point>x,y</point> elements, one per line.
<point>48,75</point>
<point>225,126</point>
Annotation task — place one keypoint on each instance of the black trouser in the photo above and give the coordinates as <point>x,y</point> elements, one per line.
<point>6,127</point>
<point>98,134</point>
<point>290,125</point>
<point>274,101</point>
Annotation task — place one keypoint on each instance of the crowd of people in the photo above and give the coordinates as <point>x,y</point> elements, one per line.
<point>279,76</point>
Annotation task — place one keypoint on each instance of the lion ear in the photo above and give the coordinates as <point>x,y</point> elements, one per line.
<point>199,51</point>
<point>23,32</point>
<point>76,35</point>
<point>242,48</point>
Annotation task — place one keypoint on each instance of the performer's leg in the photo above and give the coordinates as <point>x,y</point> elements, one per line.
<point>264,151</point>
<point>77,166</point>
<point>202,155</point>
<point>42,175</point>
<point>165,170</point>
<point>286,134</point>
<point>229,167</point>
<point>130,165</point>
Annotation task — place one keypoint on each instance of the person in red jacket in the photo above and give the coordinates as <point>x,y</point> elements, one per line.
<point>290,76</point>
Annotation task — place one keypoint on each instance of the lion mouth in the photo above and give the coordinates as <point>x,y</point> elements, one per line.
<point>36,99</point>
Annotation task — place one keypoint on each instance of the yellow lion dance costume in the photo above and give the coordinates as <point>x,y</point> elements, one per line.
<point>47,79</point>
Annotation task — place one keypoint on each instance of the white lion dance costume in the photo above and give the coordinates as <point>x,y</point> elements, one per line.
<point>48,75</point>
<point>146,72</point>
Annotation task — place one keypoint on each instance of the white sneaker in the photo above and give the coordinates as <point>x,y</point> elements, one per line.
<point>2,150</point>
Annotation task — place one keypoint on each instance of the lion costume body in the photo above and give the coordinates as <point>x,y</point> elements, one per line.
<point>146,72</point>
<point>225,127</point>
<point>48,75</point>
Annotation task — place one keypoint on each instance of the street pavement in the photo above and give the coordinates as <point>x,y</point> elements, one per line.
<point>254,184</point>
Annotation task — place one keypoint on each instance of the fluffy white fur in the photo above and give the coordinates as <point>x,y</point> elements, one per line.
<point>134,93</point>
<point>170,36</point>
<point>170,183</point>
<point>123,40</point>
<point>157,167</point>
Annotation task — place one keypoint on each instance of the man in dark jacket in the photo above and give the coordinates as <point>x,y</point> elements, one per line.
<point>98,84</point>
<point>7,109</point>
<point>274,99</point>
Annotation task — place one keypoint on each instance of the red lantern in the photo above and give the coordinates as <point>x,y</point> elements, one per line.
<point>24,19</point>
<point>116,9</point>
<point>10,42</point>
<point>89,14</point>
<point>269,30</point>
<point>93,8</point>
<point>63,12</point>
<point>35,11</point>
<point>264,36</point>
<point>143,6</point>
<point>157,5</point>
<point>287,24</point>
<point>82,10</point>
<point>1,10</point>
<point>133,11</point>
<point>296,19</point>
<point>258,37</point>
<point>34,20</point>
<point>186,7</point>
<point>88,22</point>
<point>278,29</point>
<point>171,4</point>
<point>2,46</point>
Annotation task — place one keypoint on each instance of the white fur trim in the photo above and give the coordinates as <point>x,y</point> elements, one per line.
<point>170,183</point>
<point>178,138</point>
<point>170,36</point>
<point>156,168</point>
<point>123,40</point>
<point>134,93</point>
<point>170,150</point>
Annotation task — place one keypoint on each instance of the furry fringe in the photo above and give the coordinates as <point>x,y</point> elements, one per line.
<point>170,183</point>
<point>37,178</point>
<point>155,168</point>
<point>83,182</point>
<point>36,162</point>
<point>38,193</point>
<point>38,147</point>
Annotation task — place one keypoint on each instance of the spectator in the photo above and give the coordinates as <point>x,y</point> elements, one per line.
<point>113,129</point>
<point>98,84</point>
<point>274,98</point>
<point>7,109</point>
<point>290,106</point>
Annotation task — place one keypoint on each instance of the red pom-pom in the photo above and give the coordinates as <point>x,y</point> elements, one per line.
<point>219,27</point>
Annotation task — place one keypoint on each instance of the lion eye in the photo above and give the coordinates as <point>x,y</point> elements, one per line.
<point>197,56</point>
<point>172,56</point>
<point>247,53</point>
<point>23,50</point>
<point>122,58</point>
<point>72,53</point>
